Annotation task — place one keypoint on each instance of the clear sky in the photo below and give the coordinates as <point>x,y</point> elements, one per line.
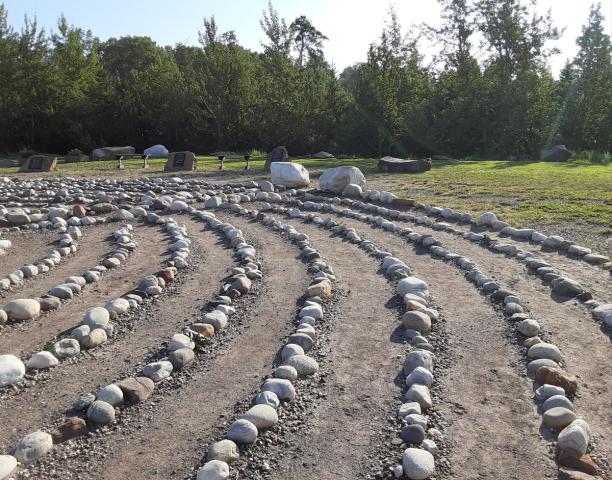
<point>351,25</point>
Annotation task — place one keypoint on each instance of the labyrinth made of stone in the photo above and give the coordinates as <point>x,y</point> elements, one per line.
<point>176,328</point>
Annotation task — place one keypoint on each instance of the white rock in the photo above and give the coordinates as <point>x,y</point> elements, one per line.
<point>12,370</point>
<point>283,389</point>
<point>66,347</point>
<point>22,309</point>
<point>261,415</point>
<point>42,360</point>
<point>418,464</point>
<point>268,398</point>
<point>214,470</point>
<point>110,394</point>
<point>289,174</point>
<point>33,446</point>
<point>8,464</point>
<point>179,341</point>
<point>545,350</point>
<point>101,412</point>
<point>157,371</point>
<point>336,179</point>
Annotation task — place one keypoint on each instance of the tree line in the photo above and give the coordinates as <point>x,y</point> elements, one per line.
<point>488,92</point>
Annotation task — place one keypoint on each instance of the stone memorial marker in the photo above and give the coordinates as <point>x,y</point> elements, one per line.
<point>279,154</point>
<point>39,163</point>
<point>180,161</point>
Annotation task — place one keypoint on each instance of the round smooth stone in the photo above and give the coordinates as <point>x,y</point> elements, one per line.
<point>214,470</point>
<point>290,350</point>
<point>224,450</point>
<point>268,398</point>
<point>12,370</point>
<point>157,371</point>
<point>303,364</point>
<point>283,389</point>
<point>42,360</point>
<point>558,418</point>
<point>118,306</point>
<point>546,391</point>
<point>262,416</point>
<point>110,394</point>
<point>178,341</point>
<point>22,309</point>
<point>528,327</point>
<point>96,317</point>
<point>101,412</point>
<point>545,350</point>
<point>242,431</point>
<point>532,367</point>
<point>557,401</point>
<point>33,446</point>
<point>8,464</point>
<point>287,372</point>
<point>418,464</point>
<point>413,434</point>
<point>421,376</point>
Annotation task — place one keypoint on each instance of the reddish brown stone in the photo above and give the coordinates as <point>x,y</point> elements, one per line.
<point>205,329</point>
<point>556,376</point>
<point>167,274</point>
<point>584,464</point>
<point>79,211</point>
<point>136,390</point>
<point>73,427</point>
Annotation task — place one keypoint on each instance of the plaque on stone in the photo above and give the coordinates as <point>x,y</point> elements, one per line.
<point>180,161</point>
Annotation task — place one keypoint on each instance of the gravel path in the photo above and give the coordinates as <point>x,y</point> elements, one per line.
<point>145,259</point>
<point>92,246</point>
<point>478,386</point>
<point>47,399</point>
<point>181,424</point>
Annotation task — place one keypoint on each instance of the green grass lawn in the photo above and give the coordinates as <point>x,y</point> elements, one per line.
<point>521,192</point>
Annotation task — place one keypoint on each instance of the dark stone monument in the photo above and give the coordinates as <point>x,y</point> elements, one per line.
<point>39,163</point>
<point>399,165</point>
<point>180,161</point>
<point>279,154</point>
<point>558,153</point>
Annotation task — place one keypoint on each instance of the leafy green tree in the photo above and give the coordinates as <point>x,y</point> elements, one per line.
<point>586,89</point>
<point>308,41</point>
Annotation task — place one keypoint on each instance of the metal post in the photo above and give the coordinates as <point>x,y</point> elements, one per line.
<point>221,161</point>
<point>248,160</point>
<point>120,166</point>
<point>145,164</point>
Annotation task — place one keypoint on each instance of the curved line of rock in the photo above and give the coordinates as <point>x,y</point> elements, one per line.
<point>96,327</point>
<point>562,285</point>
<point>543,358</point>
<point>575,436</point>
<point>100,408</point>
<point>295,363</point>
<point>489,221</point>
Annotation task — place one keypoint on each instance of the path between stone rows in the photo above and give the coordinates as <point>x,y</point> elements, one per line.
<point>46,401</point>
<point>92,246</point>
<point>27,247</point>
<point>586,348</point>
<point>172,441</point>
<point>494,422</point>
<point>146,258</point>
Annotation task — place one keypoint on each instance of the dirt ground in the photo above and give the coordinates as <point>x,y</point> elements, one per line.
<point>344,426</point>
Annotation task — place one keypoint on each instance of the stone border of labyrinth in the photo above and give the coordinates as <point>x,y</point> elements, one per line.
<point>418,366</point>
<point>543,358</point>
<point>490,221</point>
<point>96,327</point>
<point>278,388</point>
<point>101,407</point>
<point>561,285</point>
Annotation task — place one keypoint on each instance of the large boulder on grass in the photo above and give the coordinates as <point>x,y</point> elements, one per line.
<point>336,179</point>
<point>399,165</point>
<point>279,154</point>
<point>558,153</point>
